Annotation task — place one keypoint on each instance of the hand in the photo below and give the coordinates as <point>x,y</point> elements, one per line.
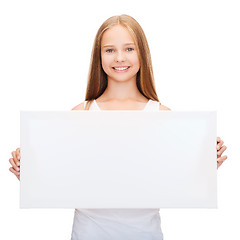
<point>220,149</point>
<point>15,162</point>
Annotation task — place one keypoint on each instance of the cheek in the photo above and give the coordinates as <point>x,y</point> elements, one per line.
<point>106,62</point>
<point>135,61</point>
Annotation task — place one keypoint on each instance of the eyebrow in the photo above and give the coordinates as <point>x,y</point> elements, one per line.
<point>109,45</point>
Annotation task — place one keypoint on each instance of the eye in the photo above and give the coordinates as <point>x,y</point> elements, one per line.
<point>109,50</point>
<point>129,49</point>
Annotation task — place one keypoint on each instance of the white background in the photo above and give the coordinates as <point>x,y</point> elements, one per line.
<point>45,50</point>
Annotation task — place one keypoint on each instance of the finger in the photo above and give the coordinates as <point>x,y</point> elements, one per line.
<point>14,172</point>
<point>219,164</point>
<point>218,139</point>
<point>222,159</point>
<point>16,168</point>
<point>18,154</point>
<point>219,144</point>
<point>15,158</point>
<point>223,148</point>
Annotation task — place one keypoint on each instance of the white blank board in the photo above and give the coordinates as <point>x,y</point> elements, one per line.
<point>118,159</point>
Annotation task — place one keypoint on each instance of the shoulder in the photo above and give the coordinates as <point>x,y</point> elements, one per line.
<point>79,107</point>
<point>162,107</point>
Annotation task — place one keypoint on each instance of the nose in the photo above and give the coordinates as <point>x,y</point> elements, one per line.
<point>120,56</point>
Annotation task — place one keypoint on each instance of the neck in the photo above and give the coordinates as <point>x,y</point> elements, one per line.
<point>121,90</point>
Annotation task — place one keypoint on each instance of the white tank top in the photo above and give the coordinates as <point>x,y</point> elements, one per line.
<point>118,224</point>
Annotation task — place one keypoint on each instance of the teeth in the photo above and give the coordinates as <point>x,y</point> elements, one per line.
<point>121,68</point>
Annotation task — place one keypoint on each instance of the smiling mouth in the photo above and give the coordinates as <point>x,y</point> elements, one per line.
<point>120,68</point>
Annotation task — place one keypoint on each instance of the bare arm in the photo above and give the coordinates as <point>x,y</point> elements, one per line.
<point>162,107</point>
<point>79,107</point>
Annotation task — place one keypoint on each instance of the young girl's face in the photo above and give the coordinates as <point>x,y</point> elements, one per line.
<point>119,55</point>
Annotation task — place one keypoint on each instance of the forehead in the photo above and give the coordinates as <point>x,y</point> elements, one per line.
<point>116,35</point>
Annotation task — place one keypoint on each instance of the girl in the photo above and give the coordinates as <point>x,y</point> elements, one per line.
<point>120,78</point>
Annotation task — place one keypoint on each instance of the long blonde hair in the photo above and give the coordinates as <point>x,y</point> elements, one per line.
<point>97,78</point>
